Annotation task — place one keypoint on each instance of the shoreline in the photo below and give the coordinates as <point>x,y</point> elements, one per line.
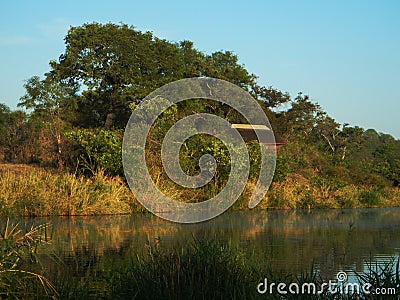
<point>32,191</point>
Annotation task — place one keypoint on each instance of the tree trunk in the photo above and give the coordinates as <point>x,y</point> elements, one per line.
<point>59,153</point>
<point>329,143</point>
<point>344,153</point>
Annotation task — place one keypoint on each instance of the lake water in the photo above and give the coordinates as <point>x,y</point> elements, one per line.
<point>331,240</point>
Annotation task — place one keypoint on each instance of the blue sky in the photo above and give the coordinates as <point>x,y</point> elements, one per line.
<point>344,54</point>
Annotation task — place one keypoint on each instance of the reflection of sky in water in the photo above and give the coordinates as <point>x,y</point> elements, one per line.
<point>375,264</point>
<point>332,240</point>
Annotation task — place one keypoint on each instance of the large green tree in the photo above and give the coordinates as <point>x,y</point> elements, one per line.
<point>116,65</point>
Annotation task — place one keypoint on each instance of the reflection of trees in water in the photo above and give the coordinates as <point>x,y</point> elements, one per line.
<point>289,240</point>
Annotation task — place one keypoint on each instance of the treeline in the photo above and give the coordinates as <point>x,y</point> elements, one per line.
<point>73,117</point>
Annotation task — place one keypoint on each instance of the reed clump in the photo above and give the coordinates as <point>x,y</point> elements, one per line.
<point>18,250</point>
<point>34,191</point>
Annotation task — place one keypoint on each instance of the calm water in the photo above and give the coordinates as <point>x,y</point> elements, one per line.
<point>292,241</point>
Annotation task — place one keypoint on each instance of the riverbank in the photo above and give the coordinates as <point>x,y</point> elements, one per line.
<point>31,191</point>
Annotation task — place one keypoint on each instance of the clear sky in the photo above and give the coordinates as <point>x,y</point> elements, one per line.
<point>344,54</point>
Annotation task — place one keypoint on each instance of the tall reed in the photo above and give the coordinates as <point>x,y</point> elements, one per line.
<point>39,192</point>
<point>19,248</point>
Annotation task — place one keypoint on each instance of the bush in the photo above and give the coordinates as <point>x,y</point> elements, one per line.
<point>99,149</point>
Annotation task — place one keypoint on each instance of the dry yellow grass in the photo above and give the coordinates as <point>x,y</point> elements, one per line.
<point>33,191</point>
<point>298,192</point>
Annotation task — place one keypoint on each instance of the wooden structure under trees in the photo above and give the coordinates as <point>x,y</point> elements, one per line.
<point>248,132</point>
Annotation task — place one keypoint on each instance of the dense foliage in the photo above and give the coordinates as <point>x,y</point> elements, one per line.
<point>77,114</point>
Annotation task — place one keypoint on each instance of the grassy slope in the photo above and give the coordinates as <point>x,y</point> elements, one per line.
<point>33,191</point>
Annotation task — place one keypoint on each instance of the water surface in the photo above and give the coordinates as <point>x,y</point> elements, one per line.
<point>331,240</point>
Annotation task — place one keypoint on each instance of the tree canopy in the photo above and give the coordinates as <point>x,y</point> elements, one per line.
<point>113,66</point>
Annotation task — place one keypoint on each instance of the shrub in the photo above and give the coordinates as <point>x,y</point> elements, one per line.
<point>370,197</point>
<point>99,149</point>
